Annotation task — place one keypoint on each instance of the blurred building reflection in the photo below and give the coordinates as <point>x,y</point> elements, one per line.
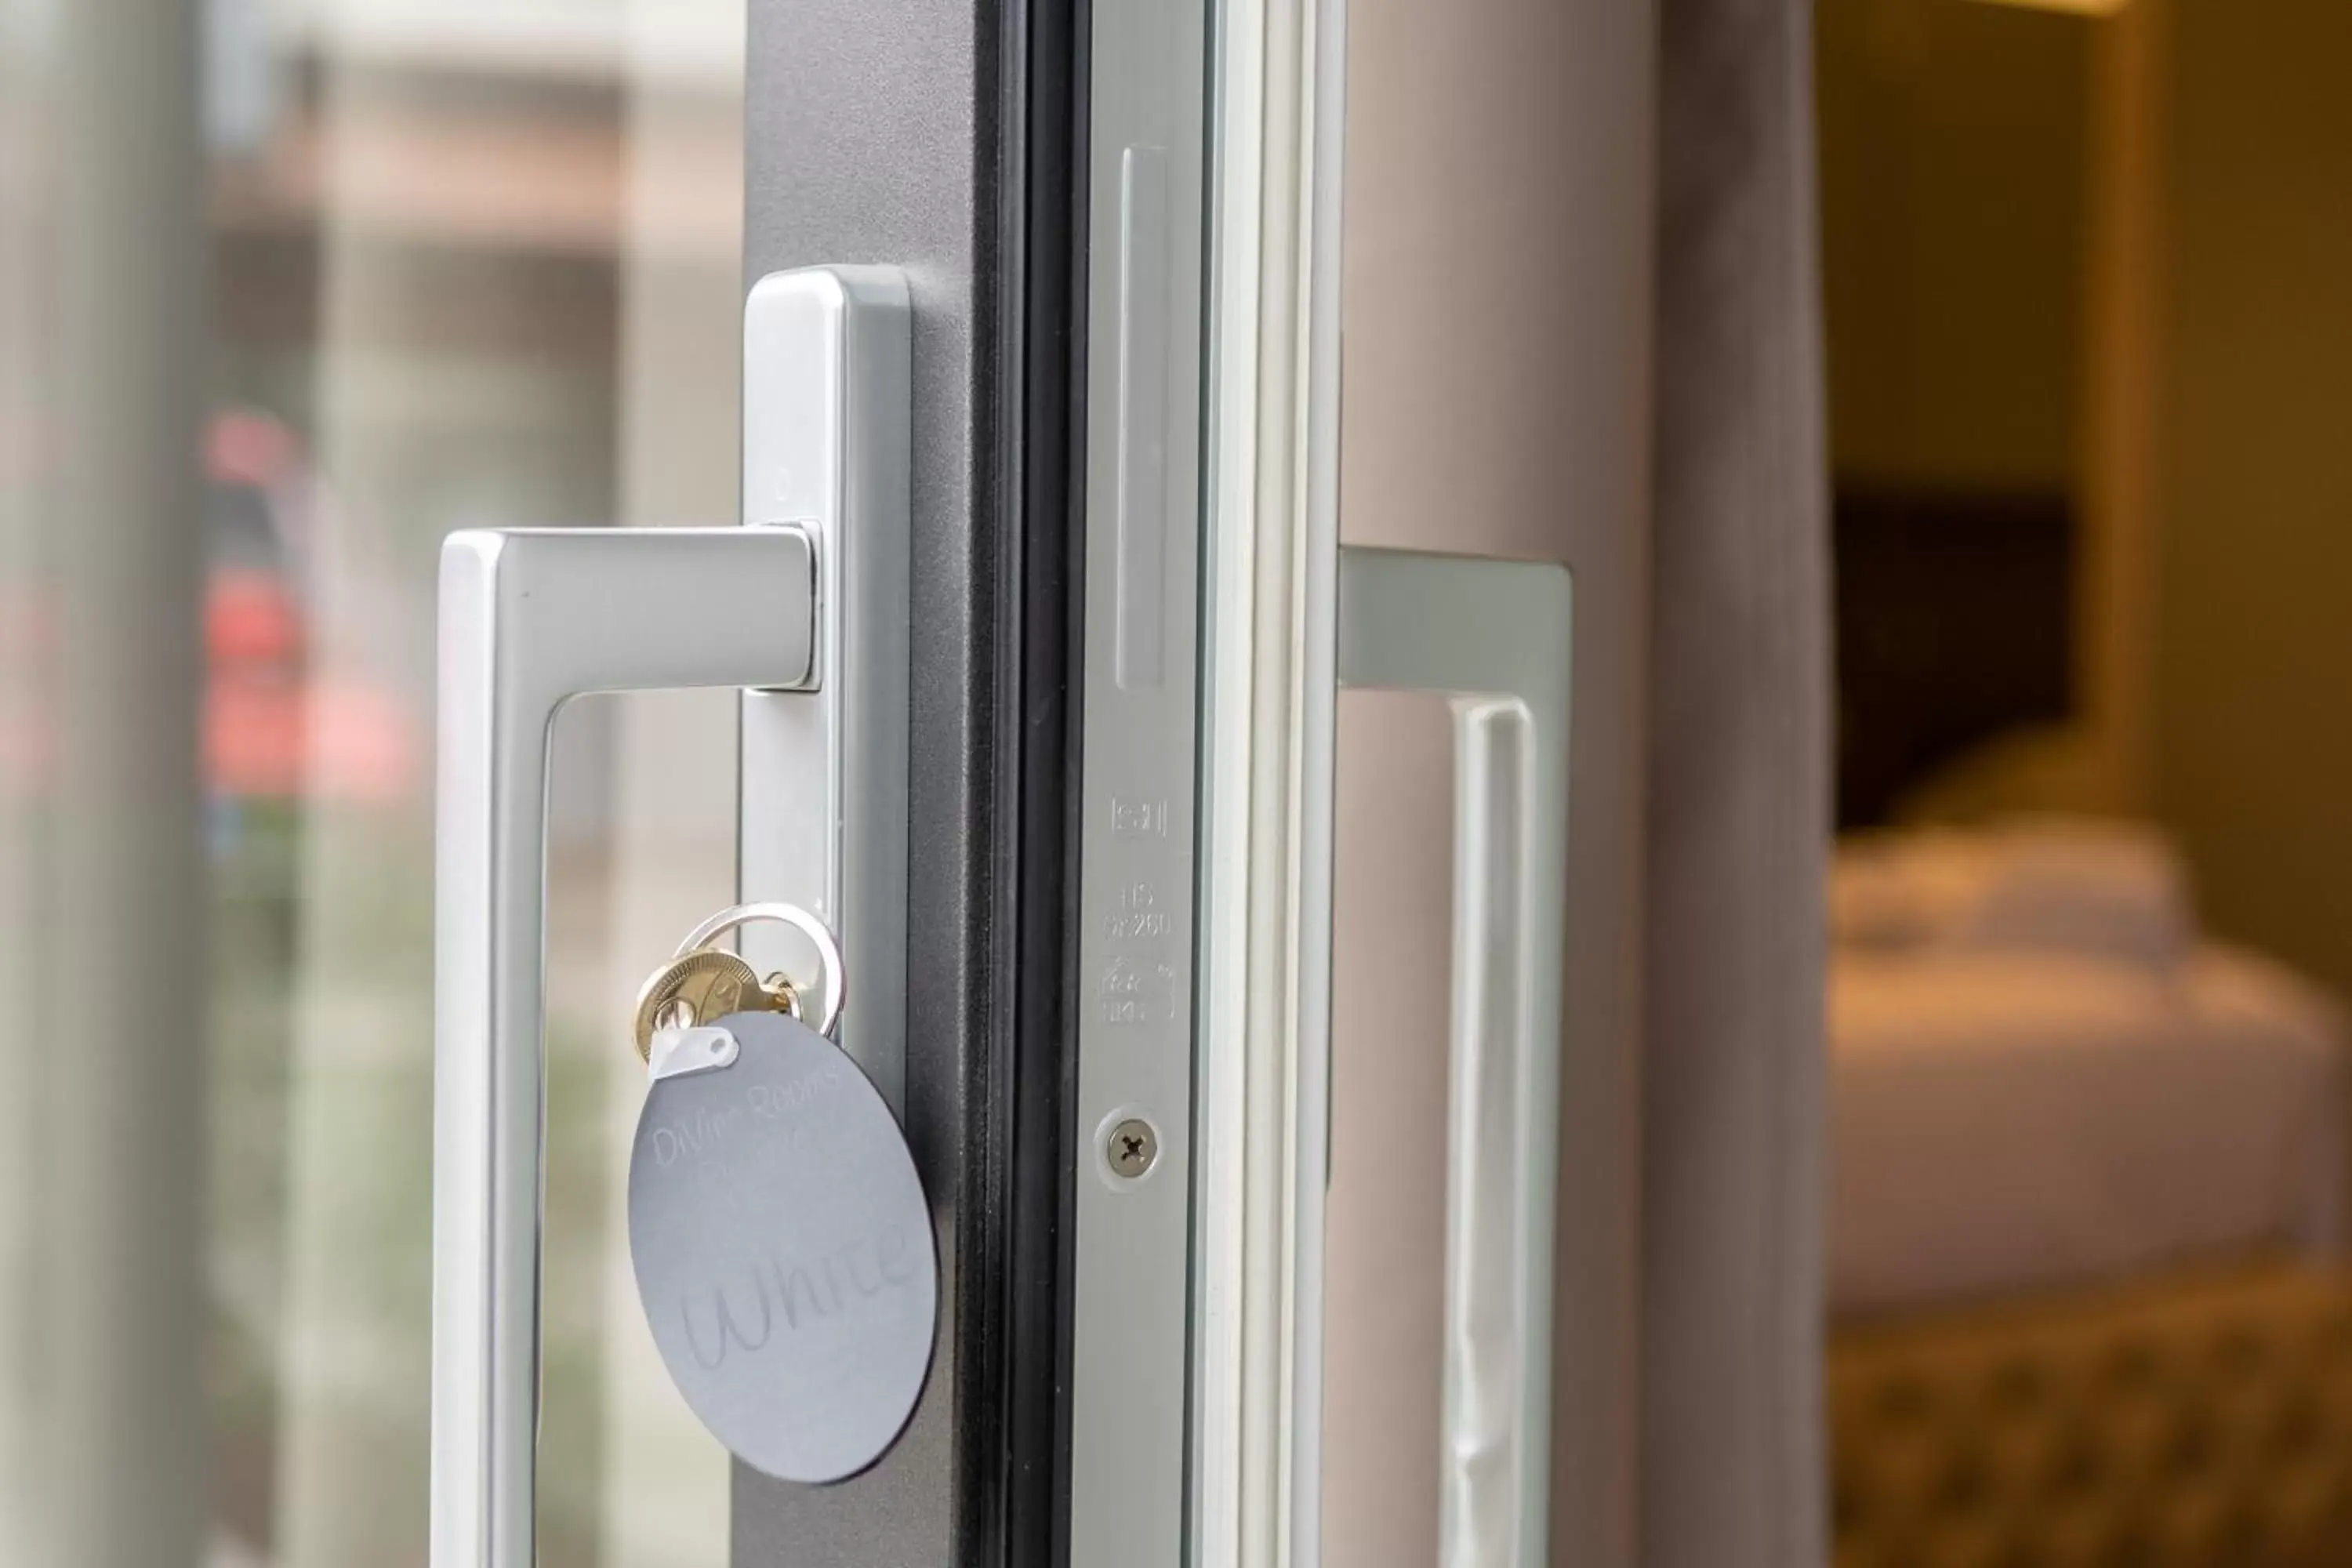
<point>471,265</point>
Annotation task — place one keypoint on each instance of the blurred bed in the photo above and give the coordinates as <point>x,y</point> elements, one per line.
<point>2089,1173</point>
<point>2043,1075</point>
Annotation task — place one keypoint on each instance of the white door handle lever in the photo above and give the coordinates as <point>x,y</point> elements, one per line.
<point>529,621</point>
<point>804,609</point>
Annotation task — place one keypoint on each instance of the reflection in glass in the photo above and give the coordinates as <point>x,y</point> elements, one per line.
<point>471,265</point>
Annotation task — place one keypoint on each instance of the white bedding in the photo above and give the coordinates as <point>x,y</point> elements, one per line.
<point>2005,1120</point>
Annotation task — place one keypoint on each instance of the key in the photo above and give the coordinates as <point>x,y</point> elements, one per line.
<point>699,987</point>
<point>779,994</point>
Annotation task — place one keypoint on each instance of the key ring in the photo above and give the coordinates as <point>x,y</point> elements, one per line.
<point>828,950</point>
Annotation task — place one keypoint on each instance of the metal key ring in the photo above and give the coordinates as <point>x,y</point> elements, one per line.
<point>828,950</point>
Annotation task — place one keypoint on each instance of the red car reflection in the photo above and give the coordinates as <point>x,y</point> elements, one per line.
<point>277,724</point>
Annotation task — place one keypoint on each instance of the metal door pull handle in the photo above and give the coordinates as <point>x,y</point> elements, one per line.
<point>1495,635</point>
<point>805,610</point>
<point>529,621</point>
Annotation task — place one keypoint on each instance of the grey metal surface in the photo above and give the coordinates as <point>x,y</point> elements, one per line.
<point>529,620</point>
<point>1495,636</point>
<point>1141,343</point>
<point>863,122</point>
<point>782,1248</point>
<point>1130,1301</point>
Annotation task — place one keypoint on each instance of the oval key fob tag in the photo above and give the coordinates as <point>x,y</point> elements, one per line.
<point>781,1245</point>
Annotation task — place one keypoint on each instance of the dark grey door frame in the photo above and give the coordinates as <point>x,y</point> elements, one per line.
<point>939,137</point>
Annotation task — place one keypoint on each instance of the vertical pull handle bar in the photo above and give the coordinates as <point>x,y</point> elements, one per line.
<point>1494,636</point>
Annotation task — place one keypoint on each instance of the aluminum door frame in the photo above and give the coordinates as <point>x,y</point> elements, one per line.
<point>922,135</point>
<point>1130,1304</point>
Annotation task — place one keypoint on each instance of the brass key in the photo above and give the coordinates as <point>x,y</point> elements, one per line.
<point>699,987</point>
<point>704,987</point>
<point>779,994</point>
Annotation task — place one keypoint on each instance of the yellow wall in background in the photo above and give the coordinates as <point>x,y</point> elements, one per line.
<point>1953,177</point>
<point>2064,256</point>
<point>2252,471</point>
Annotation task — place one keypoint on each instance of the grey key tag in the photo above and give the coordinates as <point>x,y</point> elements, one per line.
<point>782,1246</point>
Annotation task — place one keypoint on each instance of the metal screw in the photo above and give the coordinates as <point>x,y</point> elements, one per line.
<point>1132,1147</point>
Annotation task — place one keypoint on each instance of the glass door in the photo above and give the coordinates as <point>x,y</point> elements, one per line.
<point>1224,1018</point>
<point>293,288</point>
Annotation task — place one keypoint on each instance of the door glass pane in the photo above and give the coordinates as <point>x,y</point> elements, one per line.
<point>471,264</point>
<point>2087,1044</point>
